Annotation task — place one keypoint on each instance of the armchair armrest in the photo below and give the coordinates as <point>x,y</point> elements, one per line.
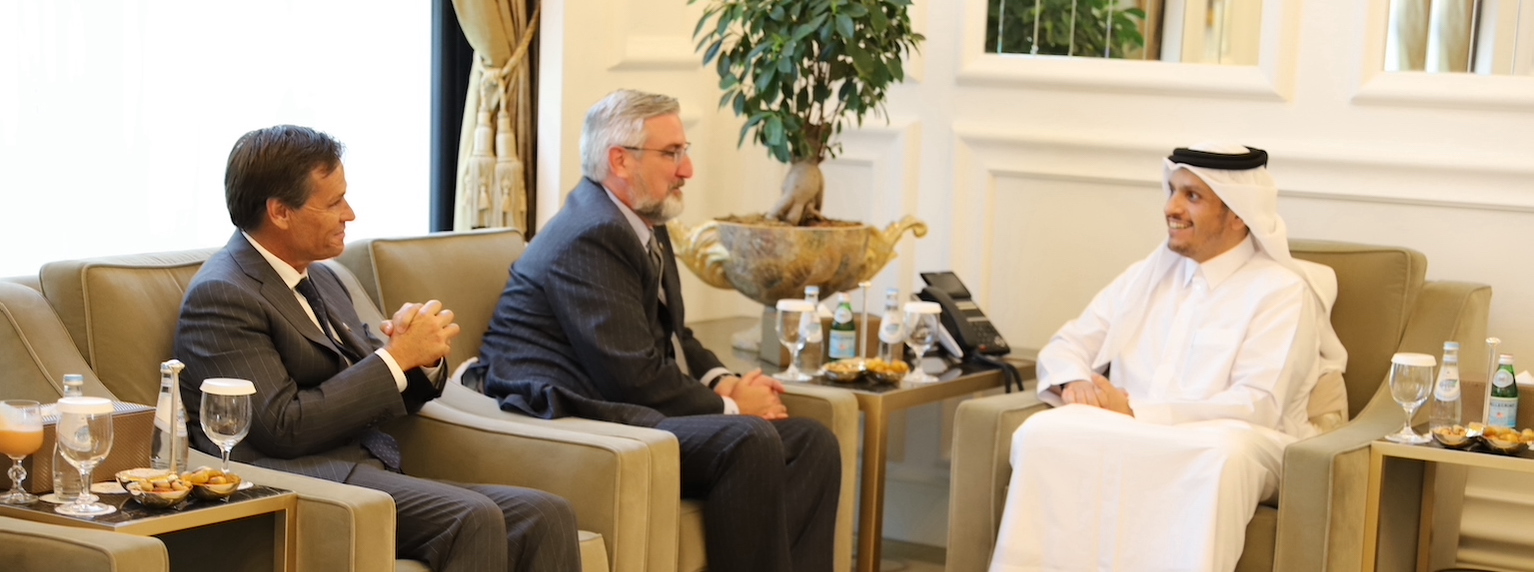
<point>838,410</point>
<point>357,523</point>
<point>27,546</point>
<point>1326,477</point>
<point>982,447</point>
<point>624,482</point>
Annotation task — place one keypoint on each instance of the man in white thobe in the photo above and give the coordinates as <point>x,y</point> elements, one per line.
<point>1177,389</point>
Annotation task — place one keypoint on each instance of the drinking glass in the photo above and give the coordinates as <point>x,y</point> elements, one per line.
<point>1411,375</point>
<point>921,330</point>
<point>226,412</point>
<point>21,434</point>
<point>85,438</point>
<point>793,313</point>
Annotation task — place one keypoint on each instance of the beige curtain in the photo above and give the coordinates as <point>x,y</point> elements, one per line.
<point>495,147</point>
<point>1430,35</point>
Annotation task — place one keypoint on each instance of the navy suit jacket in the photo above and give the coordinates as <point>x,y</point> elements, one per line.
<point>310,408</point>
<point>579,328</point>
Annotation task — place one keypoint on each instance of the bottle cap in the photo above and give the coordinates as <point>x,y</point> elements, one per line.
<point>1411,359</point>
<point>73,379</point>
<point>1505,359</point>
<point>227,386</point>
<point>923,308</point>
<point>841,297</point>
<point>812,290</point>
<point>1447,346</point>
<point>85,405</point>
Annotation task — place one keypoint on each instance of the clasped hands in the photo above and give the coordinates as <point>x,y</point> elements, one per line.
<point>755,394</point>
<point>420,334</point>
<point>1098,392</point>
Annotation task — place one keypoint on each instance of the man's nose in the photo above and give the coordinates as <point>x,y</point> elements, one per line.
<point>347,214</point>
<point>685,169</point>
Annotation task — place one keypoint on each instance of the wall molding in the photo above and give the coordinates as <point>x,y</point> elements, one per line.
<point>1272,79</point>
<point>1310,171</point>
<point>658,53</point>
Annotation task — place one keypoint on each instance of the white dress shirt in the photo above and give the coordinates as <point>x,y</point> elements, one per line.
<point>1232,338</point>
<point>644,233</point>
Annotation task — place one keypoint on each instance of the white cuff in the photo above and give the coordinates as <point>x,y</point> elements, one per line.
<point>713,374</point>
<point>730,407</point>
<point>399,374</point>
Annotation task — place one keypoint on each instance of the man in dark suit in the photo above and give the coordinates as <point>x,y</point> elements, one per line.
<point>592,324</point>
<point>261,310</point>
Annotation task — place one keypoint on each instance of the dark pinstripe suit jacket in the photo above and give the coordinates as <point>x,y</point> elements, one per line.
<point>578,330</point>
<point>240,320</point>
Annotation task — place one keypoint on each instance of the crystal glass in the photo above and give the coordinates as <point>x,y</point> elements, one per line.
<point>794,317</point>
<point>225,413</point>
<point>921,330</point>
<point>85,438</point>
<point>21,434</point>
<point>1411,376</point>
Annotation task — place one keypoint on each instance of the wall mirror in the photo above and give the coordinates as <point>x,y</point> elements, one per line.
<point>1464,36</point>
<point>1189,31</point>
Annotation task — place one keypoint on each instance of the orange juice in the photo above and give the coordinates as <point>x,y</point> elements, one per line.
<point>20,443</point>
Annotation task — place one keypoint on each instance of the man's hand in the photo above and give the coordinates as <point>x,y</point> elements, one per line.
<point>757,394</point>
<point>420,334</point>
<point>1098,392</point>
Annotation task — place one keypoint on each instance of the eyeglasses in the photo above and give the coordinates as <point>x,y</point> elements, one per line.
<point>678,154</point>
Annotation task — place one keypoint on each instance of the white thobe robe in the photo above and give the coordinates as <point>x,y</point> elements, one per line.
<point>1218,374</point>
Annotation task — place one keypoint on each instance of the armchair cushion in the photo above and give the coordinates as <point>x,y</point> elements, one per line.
<point>27,546</point>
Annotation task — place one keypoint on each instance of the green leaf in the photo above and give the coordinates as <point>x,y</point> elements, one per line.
<point>876,18</point>
<point>764,80</point>
<point>860,60</point>
<point>844,27</point>
<point>712,51</point>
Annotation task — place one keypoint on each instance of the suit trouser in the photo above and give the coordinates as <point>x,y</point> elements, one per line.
<point>769,489</point>
<point>473,528</point>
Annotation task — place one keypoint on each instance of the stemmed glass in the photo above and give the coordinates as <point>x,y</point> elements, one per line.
<point>21,434</point>
<point>85,438</point>
<point>792,317</point>
<point>1411,375</point>
<point>226,413</point>
<point>921,329</point>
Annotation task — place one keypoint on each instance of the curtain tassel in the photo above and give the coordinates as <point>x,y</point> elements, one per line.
<point>480,169</point>
<point>508,173</point>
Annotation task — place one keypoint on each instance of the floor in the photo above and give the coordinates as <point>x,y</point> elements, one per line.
<point>909,557</point>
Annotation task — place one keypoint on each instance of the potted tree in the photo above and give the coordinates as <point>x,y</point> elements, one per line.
<point>798,72</point>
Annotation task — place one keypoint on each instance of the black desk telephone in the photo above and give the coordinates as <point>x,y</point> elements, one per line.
<point>969,333</point>
<point>970,329</point>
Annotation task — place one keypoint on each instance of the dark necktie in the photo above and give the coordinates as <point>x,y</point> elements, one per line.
<point>381,445</point>
<point>306,288</point>
<point>657,257</point>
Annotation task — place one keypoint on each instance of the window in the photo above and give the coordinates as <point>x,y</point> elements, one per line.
<point>116,118</point>
<point>1477,36</point>
<point>1193,31</point>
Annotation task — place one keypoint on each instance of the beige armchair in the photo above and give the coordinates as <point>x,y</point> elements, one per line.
<point>1383,306</point>
<point>623,481</point>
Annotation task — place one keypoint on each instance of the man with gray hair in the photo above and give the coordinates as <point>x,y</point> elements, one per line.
<point>1177,389</point>
<point>591,324</point>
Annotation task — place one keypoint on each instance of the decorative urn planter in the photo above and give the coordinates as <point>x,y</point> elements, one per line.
<point>770,262</point>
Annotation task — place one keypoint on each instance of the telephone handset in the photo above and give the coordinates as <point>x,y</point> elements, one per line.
<point>968,327</point>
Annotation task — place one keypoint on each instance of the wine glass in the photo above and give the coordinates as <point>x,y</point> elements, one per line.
<point>21,434</point>
<point>921,330</point>
<point>792,314</point>
<point>85,438</point>
<point>1410,377</point>
<point>226,412</point>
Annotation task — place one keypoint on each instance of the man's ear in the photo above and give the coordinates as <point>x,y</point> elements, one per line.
<point>278,214</point>
<point>618,162</point>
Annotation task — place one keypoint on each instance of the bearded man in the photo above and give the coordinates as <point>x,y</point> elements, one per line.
<point>1177,389</point>
<point>591,324</point>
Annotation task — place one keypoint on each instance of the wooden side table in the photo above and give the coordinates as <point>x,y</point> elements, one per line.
<point>1411,515</point>
<point>877,402</point>
<point>132,518</point>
